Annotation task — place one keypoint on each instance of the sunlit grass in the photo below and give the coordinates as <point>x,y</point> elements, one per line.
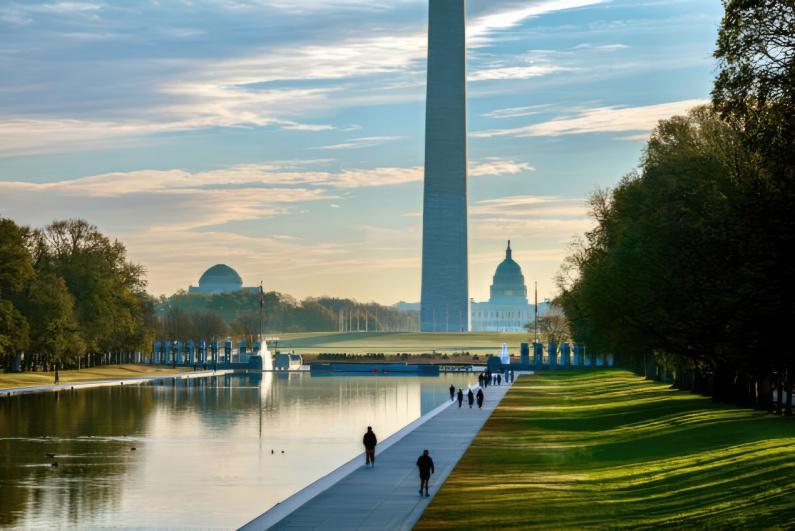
<point>607,449</point>
<point>36,379</point>
<point>394,342</point>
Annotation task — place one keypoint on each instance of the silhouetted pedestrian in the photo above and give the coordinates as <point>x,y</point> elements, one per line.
<point>471,398</point>
<point>480,398</point>
<point>425,464</point>
<point>369,440</point>
<point>452,392</point>
<point>460,397</point>
<point>57,376</point>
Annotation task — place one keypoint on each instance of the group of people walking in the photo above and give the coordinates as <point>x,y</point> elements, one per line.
<point>424,462</point>
<point>487,378</point>
<point>471,397</point>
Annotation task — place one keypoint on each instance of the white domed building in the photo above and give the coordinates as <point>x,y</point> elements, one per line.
<point>508,309</point>
<point>220,278</point>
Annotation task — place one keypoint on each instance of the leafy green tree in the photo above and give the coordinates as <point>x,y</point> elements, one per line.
<point>16,271</point>
<point>661,271</point>
<point>755,92</point>
<point>13,334</point>
<point>54,332</point>
<point>312,316</point>
<point>755,86</point>
<point>108,290</point>
<point>16,267</point>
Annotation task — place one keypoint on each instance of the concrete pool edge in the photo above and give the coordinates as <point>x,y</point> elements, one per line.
<point>135,380</point>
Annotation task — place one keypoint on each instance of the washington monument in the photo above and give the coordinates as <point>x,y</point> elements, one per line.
<point>444,305</point>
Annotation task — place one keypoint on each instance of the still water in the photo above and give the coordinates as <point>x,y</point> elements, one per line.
<point>206,452</point>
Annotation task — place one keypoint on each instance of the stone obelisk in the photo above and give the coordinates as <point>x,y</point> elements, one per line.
<point>444,305</point>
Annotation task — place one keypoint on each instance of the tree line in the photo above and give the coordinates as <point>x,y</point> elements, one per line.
<point>69,297</point>
<point>203,316</point>
<point>688,264</point>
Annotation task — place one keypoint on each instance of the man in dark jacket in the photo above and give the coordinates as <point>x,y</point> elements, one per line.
<point>425,464</point>
<point>369,440</point>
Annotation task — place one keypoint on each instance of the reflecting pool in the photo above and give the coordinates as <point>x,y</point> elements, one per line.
<point>205,452</point>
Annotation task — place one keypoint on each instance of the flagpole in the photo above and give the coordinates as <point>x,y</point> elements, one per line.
<point>535,320</point>
<point>261,304</point>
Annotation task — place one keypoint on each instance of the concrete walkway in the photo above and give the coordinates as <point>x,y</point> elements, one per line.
<point>386,497</point>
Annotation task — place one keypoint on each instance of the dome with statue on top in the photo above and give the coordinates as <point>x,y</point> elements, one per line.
<point>508,285</point>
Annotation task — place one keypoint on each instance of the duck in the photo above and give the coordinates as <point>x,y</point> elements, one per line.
<point>49,455</point>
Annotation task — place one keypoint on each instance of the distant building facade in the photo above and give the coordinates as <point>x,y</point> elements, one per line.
<point>220,278</point>
<point>508,309</point>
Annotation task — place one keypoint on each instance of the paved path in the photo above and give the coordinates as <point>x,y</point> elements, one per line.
<point>386,497</point>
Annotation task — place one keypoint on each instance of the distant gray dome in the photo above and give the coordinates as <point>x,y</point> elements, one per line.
<point>508,283</point>
<point>220,277</point>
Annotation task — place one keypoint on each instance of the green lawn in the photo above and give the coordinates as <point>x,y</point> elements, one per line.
<point>607,449</point>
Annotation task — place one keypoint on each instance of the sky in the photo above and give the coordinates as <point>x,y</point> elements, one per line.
<point>285,138</point>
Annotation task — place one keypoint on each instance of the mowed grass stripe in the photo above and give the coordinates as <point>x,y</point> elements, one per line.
<point>608,449</point>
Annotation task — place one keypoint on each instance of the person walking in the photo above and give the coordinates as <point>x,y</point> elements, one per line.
<point>480,398</point>
<point>369,440</point>
<point>425,464</point>
<point>511,376</point>
<point>460,397</point>
<point>471,398</point>
<point>57,376</point>
<point>452,392</point>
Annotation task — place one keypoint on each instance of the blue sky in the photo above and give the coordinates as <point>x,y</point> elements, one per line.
<point>284,138</point>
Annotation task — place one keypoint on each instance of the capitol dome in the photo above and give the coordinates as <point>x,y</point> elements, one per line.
<point>508,285</point>
<point>219,278</point>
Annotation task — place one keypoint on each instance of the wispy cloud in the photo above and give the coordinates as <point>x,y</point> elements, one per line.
<point>482,28</point>
<point>599,120</point>
<point>497,166</point>
<point>355,143</point>
<point>516,112</point>
<point>26,136</point>
<point>517,72</point>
